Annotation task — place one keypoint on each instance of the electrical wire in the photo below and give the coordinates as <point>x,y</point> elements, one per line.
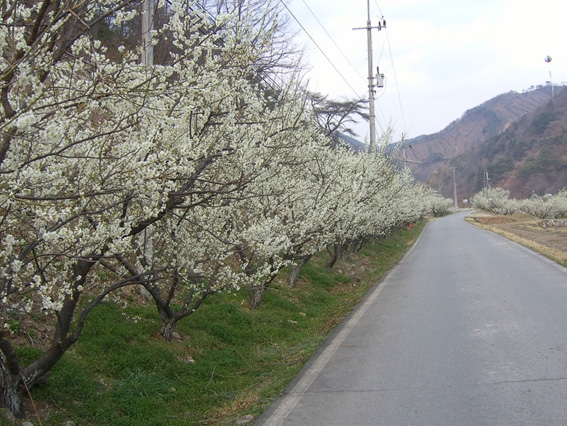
<point>396,82</point>
<point>319,48</point>
<point>381,14</point>
<point>394,72</point>
<point>333,41</point>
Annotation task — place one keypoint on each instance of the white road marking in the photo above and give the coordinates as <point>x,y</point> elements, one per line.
<point>290,400</point>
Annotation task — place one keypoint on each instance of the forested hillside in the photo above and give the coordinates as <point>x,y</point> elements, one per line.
<point>513,141</point>
<point>529,157</point>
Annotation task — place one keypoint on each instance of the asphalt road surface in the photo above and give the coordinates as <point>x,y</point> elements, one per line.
<point>469,329</point>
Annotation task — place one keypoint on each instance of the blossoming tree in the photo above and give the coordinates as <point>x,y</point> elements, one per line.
<point>98,151</point>
<point>189,177</point>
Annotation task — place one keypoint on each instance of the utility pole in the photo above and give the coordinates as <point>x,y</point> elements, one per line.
<point>485,184</point>
<point>455,187</point>
<point>404,150</point>
<point>371,85</point>
<point>147,59</point>
<point>148,9</point>
<point>370,80</point>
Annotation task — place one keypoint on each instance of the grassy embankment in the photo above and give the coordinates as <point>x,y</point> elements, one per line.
<point>229,362</point>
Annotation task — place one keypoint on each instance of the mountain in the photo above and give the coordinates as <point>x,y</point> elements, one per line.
<point>354,143</point>
<point>518,140</point>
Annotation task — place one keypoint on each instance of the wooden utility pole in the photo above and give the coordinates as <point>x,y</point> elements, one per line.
<point>370,81</point>
<point>485,183</point>
<point>148,9</point>
<point>455,188</point>
<point>147,59</point>
<point>371,85</point>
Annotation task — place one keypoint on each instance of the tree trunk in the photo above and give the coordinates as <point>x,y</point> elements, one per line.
<point>294,274</point>
<point>258,292</point>
<point>168,328</point>
<point>296,268</point>
<point>14,377</point>
<point>357,245</point>
<point>145,294</point>
<point>11,385</point>
<point>334,252</point>
<point>11,393</point>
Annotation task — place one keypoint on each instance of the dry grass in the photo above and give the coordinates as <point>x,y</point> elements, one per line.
<point>528,231</point>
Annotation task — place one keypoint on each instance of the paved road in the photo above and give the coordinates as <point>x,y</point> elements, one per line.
<point>469,329</point>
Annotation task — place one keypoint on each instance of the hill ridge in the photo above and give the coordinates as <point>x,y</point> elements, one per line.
<point>430,156</point>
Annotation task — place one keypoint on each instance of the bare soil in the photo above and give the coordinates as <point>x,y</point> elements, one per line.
<point>541,235</point>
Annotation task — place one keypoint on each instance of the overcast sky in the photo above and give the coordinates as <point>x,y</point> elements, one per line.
<point>440,57</point>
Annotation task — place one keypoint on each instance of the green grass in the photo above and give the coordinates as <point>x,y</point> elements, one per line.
<point>229,362</point>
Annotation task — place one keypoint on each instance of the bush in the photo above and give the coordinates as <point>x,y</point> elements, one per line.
<point>546,207</point>
<point>541,122</point>
<point>496,200</point>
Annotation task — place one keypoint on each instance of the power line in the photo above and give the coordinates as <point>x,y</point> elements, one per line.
<point>320,50</point>
<point>381,14</point>
<point>333,41</point>
<point>396,82</point>
<point>393,71</point>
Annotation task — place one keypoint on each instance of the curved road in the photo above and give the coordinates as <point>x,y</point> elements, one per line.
<point>469,329</point>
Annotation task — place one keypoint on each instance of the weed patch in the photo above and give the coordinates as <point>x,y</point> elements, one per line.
<point>229,362</point>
